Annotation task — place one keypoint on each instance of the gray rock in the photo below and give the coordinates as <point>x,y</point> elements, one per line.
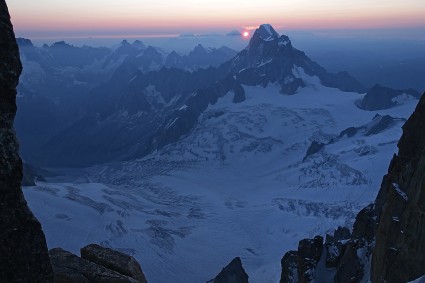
<point>23,251</point>
<point>114,260</point>
<point>69,268</point>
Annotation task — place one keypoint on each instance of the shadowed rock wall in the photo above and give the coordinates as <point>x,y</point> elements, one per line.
<point>23,250</point>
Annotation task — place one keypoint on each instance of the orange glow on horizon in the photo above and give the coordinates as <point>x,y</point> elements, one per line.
<point>317,22</point>
<point>182,17</point>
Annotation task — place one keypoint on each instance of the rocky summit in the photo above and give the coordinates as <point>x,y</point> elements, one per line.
<point>23,251</point>
<point>271,58</point>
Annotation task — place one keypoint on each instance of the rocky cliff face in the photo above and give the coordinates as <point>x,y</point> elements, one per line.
<point>24,256</point>
<point>400,239</point>
<point>388,237</point>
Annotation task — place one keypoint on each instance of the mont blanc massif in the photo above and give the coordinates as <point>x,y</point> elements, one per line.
<point>260,158</point>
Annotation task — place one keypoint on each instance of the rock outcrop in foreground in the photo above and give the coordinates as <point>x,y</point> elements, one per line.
<point>232,273</point>
<point>388,239</point>
<point>114,260</point>
<point>23,249</point>
<point>96,264</point>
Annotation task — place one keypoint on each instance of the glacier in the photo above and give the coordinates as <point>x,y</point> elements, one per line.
<point>238,184</point>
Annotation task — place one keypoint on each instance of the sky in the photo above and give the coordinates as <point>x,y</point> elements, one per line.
<point>37,18</point>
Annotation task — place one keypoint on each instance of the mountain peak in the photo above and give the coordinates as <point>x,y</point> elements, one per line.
<point>24,42</point>
<point>198,50</point>
<point>151,51</point>
<point>139,44</point>
<point>199,47</point>
<point>61,44</point>
<point>266,32</point>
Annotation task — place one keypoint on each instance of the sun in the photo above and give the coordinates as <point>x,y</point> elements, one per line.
<point>245,34</point>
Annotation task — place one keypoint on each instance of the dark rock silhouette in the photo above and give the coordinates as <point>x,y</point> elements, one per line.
<point>400,237</point>
<point>289,267</point>
<point>24,256</point>
<point>232,273</point>
<point>335,247</point>
<point>300,265</point>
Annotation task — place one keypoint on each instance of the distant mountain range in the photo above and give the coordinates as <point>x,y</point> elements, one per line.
<point>57,78</point>
<point>130,101</point>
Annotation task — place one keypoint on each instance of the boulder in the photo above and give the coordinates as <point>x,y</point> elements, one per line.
<point>69,268</point>
<point>113,260</point>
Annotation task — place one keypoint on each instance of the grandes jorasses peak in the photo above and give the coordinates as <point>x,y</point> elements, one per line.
<point>271,58</point>
<point>266,44</point>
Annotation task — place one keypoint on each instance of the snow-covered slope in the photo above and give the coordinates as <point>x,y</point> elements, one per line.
<point>238,184</point>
